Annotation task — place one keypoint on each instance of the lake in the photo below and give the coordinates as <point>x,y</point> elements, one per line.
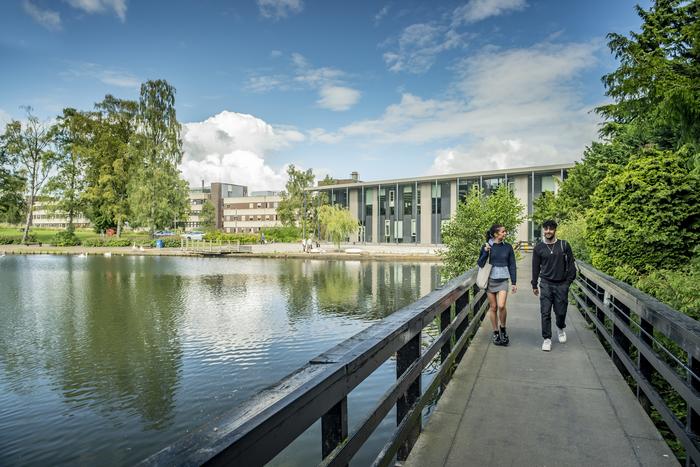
<point>108,360</point>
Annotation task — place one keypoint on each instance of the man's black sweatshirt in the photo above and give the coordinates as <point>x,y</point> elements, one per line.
<point>553,263</point>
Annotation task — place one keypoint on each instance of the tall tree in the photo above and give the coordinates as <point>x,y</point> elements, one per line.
<point>109,162</point>
<point>296,204</point>
<point>656,85</point>
<point>207,216</point>
<point>29,146</point>
<point>11,187</point>
<point>66,187</point>
<point>158,195</point>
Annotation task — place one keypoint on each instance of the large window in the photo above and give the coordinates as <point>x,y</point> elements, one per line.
<point>382,202</point>
<point>465,187</point>
<point>492,184</point>
<point>437,198</point>
<point>408,201</point>
<point>369,200</point>
<point>392,202</point>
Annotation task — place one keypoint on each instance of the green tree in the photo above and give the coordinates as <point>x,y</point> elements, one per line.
<point>545,207</point>
<point>645,215</point>
<point>11,186</point>
<point>338,223</point>
<point>574,195</point>
<point>158,196</point>
<point>656,85</point>
<point>207,217</point>
<point>66,187</point>
<point>295,206</point>
<point>29,146</point>
<point>110,164</point>
<point>464,234</point>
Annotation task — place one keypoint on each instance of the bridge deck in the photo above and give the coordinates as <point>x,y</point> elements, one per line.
<point>518,405</point>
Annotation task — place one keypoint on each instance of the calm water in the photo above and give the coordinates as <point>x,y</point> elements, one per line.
<point>107,360</point>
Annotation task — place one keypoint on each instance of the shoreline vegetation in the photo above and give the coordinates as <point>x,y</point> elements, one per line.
<point>270,251</point>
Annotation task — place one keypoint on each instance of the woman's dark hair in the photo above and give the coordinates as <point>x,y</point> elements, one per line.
<point>492,231</point>
<point>549,224</point>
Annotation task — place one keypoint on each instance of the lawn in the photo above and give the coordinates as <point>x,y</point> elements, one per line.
<point>45,235</point>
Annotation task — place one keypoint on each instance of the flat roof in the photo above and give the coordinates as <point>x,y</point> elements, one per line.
<point>433,178</point>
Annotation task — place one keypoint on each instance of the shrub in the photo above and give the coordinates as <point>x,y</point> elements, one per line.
<point>65,238</point>
<point>16,239</point>
<point>288,234</point>
<point>168,242</point>
<point>573,230</point>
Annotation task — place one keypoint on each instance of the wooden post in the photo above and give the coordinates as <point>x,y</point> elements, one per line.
<point>621,312</point>
<point>693,424</point>
<point>334,427</point>
<point>645,368</point>
<point>405,357</point>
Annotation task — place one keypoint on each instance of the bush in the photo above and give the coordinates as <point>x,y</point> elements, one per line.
<point>168,242</point>
<point>16,239</point>
<point>573,230</point>
<point>646,214</point>
<point>289,234</point>
<point>677,289</point>
<point>244,238</point>
<point>65,238</point>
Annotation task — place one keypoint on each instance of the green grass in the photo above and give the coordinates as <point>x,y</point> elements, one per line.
<point>45,235</point>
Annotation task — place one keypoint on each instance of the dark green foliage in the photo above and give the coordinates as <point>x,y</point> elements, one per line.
<point>65,238</point>
<point>168,242</point>
<point>244,238</point>
<point>207,217</point>
<point>646,215</point>
<point>656,84</point>
<point>16,239</point>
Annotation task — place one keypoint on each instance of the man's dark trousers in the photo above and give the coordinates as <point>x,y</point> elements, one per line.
<point>553,295</point>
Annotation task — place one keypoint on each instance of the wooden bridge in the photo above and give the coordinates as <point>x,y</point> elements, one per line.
<point>583,403</point>
<point>213,248</point>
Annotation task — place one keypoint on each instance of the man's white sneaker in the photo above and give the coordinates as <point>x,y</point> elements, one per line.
<point>547,345</point>
<point>562,335</point>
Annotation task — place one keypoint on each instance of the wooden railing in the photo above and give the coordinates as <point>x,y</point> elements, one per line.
<point>255,433</point>
<point>658,347</point>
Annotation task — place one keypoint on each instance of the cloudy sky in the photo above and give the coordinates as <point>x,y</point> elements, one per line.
<point>386,88</point>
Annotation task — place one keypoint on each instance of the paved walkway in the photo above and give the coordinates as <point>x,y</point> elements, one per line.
<point>521,406</point>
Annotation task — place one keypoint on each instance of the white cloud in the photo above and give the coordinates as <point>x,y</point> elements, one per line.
<point>49,19</point>
<point>277,9</point>
<point>420,44</point>
<point>231,147</point>
<point>477,10</point>
<point>101,6</point>
<point>382,13</point>
<point>510,107</point>
<point>334,94</point>
<point>338,98</point>
<point>108,76</point>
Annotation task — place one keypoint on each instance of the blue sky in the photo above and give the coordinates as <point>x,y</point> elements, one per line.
<point>390,89</point>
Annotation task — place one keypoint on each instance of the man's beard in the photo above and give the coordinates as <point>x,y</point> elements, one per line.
<point>549,235</point>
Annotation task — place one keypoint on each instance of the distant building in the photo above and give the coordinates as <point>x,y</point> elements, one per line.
<point>44,216</point>
<point>250,214</point>
<point>413,210</point>
<point>216,193</point>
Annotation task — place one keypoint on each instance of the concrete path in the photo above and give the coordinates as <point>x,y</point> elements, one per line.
<point>520,406</point>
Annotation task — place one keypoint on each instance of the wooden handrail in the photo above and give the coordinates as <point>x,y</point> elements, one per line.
<point>631,323</point>
<point>258,430</point>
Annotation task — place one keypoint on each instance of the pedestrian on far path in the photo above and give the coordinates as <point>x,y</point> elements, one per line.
<point>553,264</point>
<point>502,258</point>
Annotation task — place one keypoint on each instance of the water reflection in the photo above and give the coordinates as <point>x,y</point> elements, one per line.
<point>113,358</point>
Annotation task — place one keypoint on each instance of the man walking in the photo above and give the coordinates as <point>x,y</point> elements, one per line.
<point>553,264</point>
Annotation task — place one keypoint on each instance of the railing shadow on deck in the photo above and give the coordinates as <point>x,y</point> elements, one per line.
<point>640,334</point>
<point>256,432</point>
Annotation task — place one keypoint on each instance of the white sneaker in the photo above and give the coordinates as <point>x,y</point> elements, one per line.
<point>547,345</point>
<point>562,335</point>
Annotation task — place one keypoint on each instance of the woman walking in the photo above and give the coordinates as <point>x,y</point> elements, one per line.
<point>502,258</point>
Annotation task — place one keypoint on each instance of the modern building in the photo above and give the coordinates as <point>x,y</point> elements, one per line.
<point>45,216</point>
<point>250,214</point>
<point>216,193</point>
<point>412,210</point>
